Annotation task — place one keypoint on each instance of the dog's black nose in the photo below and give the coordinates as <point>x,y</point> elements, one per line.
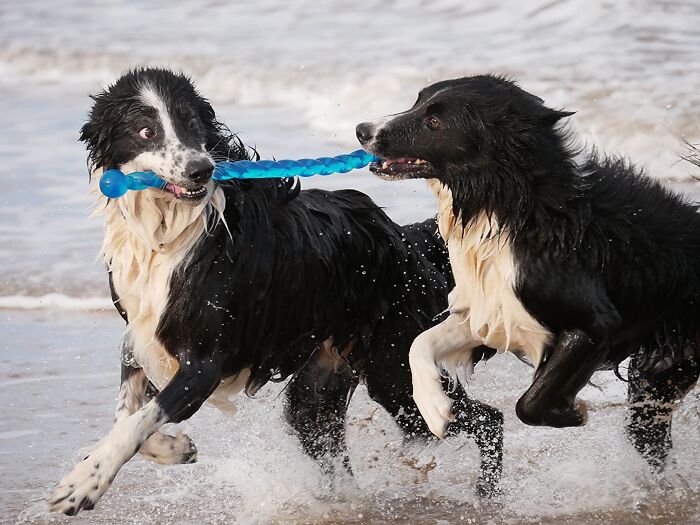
<point>364,132</point>
<point>199,171</point>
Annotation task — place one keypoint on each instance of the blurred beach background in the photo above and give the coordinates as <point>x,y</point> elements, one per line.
<point>293,79</point>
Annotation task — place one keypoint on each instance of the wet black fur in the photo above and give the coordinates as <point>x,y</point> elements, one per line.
<point>289,270</point>
<point>608,259</point>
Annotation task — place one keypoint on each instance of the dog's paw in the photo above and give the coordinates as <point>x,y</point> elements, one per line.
<point>574,415</point>
<point>562,413</point>
<point>581,409</point>
<point>82,488</point>
<point>434,405</point>
<point>169,450</point>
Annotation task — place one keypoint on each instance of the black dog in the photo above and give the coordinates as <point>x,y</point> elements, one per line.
<point>575,264</point>
<point>229,286</point>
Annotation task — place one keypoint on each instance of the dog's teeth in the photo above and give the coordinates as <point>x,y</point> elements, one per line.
<point>385,165</point>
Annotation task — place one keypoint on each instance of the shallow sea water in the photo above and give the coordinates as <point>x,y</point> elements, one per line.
<point>58,381</point>
<point>293,78</point>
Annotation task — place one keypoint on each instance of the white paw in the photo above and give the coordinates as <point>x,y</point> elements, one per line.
<point>169,450</point>
<point>434,405</point>
<point>82,488</point>
<point>444,343</point>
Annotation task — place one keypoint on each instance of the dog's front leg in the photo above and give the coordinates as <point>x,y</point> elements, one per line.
<point>577,354</point>
<point>440,343</point>
<point>160,447</point>
<point>551,398</point>
<point>182,397</point>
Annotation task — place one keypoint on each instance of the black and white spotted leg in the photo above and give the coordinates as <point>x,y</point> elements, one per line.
<point>131,392</point>
<point>654,389</point>
<point>82,488</point>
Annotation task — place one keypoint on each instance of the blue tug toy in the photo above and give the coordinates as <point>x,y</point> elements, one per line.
<point>114,183</point>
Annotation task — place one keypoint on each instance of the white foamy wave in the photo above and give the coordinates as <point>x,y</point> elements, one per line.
<point>55,301</point>
<point>651,130</point>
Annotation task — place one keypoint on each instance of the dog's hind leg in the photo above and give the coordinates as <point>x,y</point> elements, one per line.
<point>160,447</point>
<point>655,385</point>
<point>316,403</point>
<point>484,423</point>
<point>190,386</point>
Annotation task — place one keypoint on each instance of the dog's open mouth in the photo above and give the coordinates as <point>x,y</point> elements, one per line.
<point>401,168</point>
<point>186,193</point>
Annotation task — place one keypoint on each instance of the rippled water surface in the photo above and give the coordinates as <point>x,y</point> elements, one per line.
<point>293,78</point>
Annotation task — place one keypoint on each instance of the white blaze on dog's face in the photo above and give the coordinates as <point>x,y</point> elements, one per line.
<point>174,147</point>
<point>154,121</point>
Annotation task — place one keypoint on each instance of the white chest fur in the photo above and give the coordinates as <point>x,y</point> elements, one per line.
<point>485,276</point>
<point>147,237</point>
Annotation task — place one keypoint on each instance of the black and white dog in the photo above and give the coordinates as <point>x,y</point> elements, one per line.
<point>577,265</point>
<point>226,286</point>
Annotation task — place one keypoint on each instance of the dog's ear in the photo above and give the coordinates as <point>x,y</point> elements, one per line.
<point>556,114</point>
<point>534,108</point>
<point>549,116</point>
<point>534,98</point>
<point>96,133</point>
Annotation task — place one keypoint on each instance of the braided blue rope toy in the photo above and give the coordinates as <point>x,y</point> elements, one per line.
<point>114,183</point>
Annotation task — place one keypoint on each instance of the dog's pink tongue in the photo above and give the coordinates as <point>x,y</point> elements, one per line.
<point>177,190</point>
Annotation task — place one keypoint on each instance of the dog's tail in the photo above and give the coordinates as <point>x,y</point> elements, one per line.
<point>425,239</point>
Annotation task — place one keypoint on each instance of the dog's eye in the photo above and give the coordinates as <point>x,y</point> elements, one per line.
<point>147,133</point>
<point>192,123</point>
<point>433,122</point>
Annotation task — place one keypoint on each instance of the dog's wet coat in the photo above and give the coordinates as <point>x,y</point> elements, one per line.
<point>592,261</point>
<point>230,285</point>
